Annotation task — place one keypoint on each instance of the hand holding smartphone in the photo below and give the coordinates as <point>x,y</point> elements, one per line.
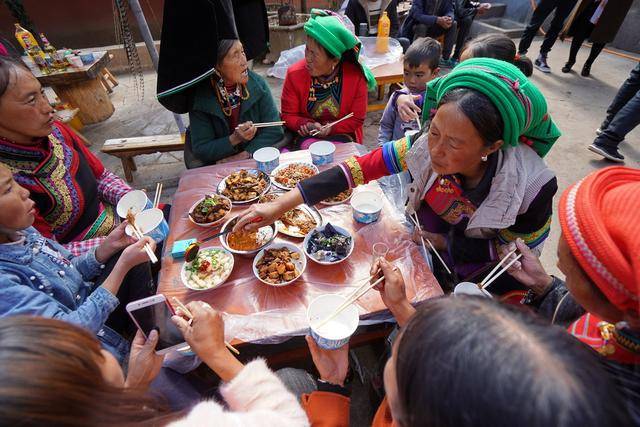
<point>155,312</point>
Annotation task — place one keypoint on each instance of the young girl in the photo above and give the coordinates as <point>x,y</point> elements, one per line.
<point>39,277</point>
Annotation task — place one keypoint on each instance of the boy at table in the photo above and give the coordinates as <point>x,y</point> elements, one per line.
<point>39,277</point>
<point>420,67</point>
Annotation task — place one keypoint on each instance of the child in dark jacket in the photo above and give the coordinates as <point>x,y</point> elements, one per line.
<point>420,67</point>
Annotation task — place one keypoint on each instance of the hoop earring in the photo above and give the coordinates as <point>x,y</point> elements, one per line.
<point>484,158</point>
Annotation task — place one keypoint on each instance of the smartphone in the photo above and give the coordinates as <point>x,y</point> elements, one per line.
<point>155,313</point>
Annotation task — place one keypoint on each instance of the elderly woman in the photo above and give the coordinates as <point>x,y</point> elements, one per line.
<point>224,109</point>
<point>74,193</point>
<point>327,85</point>
<point>598,253</point>
<point>478,177</point>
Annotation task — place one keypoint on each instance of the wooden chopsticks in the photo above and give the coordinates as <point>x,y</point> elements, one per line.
<point>489,278</point>
<point>266,124</point>
<point>188,313</point>
<point>139,235</point>
<point>328,125</point>
<point>417,224</point>
<point>156,199</point>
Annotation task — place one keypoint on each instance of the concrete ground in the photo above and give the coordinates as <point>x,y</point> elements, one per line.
<point>577,104</point>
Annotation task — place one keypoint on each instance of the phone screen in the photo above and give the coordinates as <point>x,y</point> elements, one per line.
<point>158,316</point>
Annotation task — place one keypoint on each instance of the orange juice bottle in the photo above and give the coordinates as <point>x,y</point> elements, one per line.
<point>384,28</point>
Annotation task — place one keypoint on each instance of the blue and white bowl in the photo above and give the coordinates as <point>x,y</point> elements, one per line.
<point>367,206</point>
<point>267,159</point>
<point>152,223</point>
<point>322,152</point>
<point>337,332</point>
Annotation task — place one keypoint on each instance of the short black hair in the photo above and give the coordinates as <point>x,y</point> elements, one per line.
<point>7,67</point>
<point>471,361</point>
<point>498,46</point>
<point>423,50</point>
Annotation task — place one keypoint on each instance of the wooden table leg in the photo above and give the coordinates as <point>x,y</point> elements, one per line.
<point>126,166</point>
<point>380,92</point>
<point>90,97</point>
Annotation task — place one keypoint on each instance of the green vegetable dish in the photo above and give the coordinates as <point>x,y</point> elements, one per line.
<point>210,268</point>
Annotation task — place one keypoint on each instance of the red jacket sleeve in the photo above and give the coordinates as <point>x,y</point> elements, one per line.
<point>291,102</point>
<point>325,409</point>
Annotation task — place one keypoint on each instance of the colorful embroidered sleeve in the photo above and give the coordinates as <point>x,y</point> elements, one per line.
<point>111,187</point>
<point>83,246</point>
<point>389,159</point>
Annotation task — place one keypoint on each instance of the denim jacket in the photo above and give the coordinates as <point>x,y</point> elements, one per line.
<point>39,277</point>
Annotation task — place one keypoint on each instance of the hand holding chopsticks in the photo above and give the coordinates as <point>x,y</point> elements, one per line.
<point>131,218</point>
<point>328,125</point>
<point>415,221</point>
<point>491,276</point>
<point>187,313</point>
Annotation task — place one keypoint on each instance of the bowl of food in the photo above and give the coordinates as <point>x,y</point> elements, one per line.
<point>332,334</point>
<point>247,243</point>
<point>210,211</point>
<point>279,264</point>
<point>322,153</point>
<point>367,206</point>
<point>339,199</point>
<point>244,186</point>
<point>328,244</point>
<point>299,221</point>
<point>211,268</point>
<point>287,176</point>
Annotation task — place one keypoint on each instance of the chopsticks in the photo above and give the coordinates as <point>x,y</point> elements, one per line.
<point>147,248</point>
<point>356,295</point>
<point>266,124</point>
<point>188,313</point>
<point>328,125</point>
<point>422,239</point>
<point>489,279</point>
<point>156,199</point>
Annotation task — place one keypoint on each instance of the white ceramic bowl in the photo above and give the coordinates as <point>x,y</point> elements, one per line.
<point>340,230</point>
<point>337,332</point>
<point>185,279</point>
<point>136,200</point>
<point>468,288</point>
<point>246,254</point>
<point>151,223</point>
<point>367,206</point>
<point>301,263</point>
<point>214,223</point>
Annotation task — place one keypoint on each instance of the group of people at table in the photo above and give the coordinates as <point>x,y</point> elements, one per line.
<point>478,183</point>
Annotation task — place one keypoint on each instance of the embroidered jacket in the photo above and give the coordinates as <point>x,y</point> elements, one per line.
<point>74,194</point>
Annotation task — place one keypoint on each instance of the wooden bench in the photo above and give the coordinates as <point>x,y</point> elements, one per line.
<point>127,148</point>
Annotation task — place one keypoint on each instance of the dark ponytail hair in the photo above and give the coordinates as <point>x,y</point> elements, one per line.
<point>470,361</point>
<point>484,116</point>
<point>498,46</point>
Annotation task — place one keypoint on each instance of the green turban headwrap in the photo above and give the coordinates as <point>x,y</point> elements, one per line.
<point>520,103</point>
<point>331,33</point>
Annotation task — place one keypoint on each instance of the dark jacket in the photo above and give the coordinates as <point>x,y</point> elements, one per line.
<point>608,25</point>
<point>252,25</point>
<point>210,127</point>
<point>425,12</point>
<point>357,12</point>
<point>466,9</point>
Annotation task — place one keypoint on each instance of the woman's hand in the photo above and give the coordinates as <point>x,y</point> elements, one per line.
<point>437,240</point>
<point>263,214</point>
<point>392,290</point>
<point>245,132</point>
<point>116,241</point>
<point>144,363</point>
<point>332,365</point>
<point>135,254</point>
<point>527,270</point>
<point>407,108</point>
<point>205,334</point>
<point>305,129</point>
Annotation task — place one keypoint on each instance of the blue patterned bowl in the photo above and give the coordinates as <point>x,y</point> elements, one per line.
<point>152,223</point>
<point>267,159</point>
<point>337,332</point>
<point>322,152</point>
<point>367,206</point>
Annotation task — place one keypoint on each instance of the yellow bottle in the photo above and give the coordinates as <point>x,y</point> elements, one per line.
<point>384,29</point>
<point>25,38</point>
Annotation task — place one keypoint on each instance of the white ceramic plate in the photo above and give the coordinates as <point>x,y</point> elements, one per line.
<point>214,223</point>
<point>275,172</point>
<point>184,274</point>
<point>321,228</point>
<point>255,172</point>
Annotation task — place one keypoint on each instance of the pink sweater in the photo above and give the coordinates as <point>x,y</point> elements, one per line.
<point>255,397</point>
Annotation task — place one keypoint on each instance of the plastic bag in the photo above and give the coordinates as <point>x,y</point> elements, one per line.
<point>287,59</point>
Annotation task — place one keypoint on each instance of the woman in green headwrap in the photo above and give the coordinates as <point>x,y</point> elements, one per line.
<point>478,178</point>
<point>328,84</point>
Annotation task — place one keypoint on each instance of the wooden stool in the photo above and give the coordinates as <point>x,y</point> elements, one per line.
<point>108,80</point>
<point>127,148</point>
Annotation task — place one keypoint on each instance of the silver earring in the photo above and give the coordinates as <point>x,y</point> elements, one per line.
<point>484,158</point>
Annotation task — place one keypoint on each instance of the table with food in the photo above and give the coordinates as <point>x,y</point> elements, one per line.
<point>265,280</point>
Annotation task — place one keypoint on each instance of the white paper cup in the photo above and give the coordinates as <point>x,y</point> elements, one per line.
<point>337,332</point>
<point>135,200</point>
<point>367,206</point>
<point>322,152</point>
<point>267,159</point>
<point>152,223</point>
<point>468,288</point>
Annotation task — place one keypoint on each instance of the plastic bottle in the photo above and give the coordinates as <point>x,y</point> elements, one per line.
<point>30,45</point>
<point>55,59</point>
<point>384,29</point>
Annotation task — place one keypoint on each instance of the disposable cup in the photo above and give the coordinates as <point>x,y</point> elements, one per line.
<point>135,200</point>
<point>469,288</point>
<point>336,332</point>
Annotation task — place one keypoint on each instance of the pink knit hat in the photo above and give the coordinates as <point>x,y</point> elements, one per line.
<point>600,219</point>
